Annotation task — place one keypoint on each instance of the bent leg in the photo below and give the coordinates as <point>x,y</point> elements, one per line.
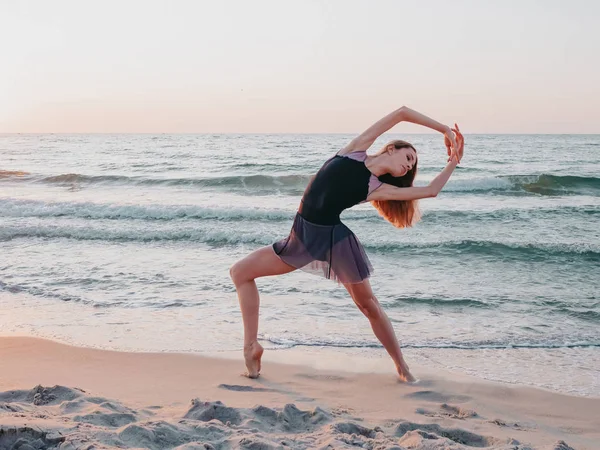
<point>260,263</point>
<point>363,296</point>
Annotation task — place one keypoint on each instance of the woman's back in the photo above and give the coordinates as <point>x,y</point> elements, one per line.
<point>339,184</point>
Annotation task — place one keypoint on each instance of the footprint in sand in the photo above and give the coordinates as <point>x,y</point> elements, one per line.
<point>514,425</point>
<point>242,388</point>
<point>414,435</point>
<point>432,396</point>
<point>305,399</point>
<point>453,412</point>
<point>456,412</point>
<point>320,377</point>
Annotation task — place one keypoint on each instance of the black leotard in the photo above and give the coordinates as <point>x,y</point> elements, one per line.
<point>342,182</point>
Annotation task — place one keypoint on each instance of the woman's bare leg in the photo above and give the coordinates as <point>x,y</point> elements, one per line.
<point>260,263</point>
<point>362,294</point>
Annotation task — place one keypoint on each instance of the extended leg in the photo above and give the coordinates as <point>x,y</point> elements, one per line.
<point>260,263</point>
<point>363,296</point>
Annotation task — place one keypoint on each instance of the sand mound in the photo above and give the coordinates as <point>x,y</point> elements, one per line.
<point>26,438</point>
<point>40,395</point>
<point>68,419</point>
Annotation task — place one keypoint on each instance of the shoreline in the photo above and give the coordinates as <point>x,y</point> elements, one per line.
<point>173,331</point>
<point>372,360</point>
<point>168,381</point>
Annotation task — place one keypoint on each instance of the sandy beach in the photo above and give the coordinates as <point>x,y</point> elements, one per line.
<point>58,396</point>
<point>161,162</point>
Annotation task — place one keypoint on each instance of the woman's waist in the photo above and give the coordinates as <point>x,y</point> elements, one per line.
<point>319,215</point>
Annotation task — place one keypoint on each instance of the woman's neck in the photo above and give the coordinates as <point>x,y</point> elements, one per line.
<point>376,165</point>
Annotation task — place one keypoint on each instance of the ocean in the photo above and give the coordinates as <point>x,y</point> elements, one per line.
<point>125,241</point>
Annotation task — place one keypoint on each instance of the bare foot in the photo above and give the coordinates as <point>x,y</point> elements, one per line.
<point>404,374</point>
<point>252,355</point>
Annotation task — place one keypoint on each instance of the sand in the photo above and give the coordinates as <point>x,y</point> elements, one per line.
<point>58,396</point>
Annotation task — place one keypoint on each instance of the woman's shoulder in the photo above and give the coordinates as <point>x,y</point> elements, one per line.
<point>348,149</point>
<point>358,155</point>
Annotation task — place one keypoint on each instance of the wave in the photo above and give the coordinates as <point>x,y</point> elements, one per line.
<point>588,314</point>
<point>448,302</point>
<point>580,311</point>
<point>515,250</point>
<point>42,292</point>
<point>294,184</point>
<point>88,210</point>
<point>219,236</point>
<point>213,236</point>
<point>95,211</point>
<point>544,184</point>
<point>556,184</point>
<point>512,212</point>
<point>285,343</point>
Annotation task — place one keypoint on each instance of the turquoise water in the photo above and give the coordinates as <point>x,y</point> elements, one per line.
<point>134,235</point>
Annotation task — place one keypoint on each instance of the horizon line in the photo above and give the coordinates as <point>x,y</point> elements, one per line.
<point>203,133</point>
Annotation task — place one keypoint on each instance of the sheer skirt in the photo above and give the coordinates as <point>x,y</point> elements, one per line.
<point>331,251</point>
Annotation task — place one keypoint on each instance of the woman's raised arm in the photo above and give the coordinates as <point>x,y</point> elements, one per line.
<point>402,114</point>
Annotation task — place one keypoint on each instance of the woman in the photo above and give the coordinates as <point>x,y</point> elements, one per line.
<point>320,243</point>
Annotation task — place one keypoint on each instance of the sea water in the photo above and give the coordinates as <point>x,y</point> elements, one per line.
<point>125,242</point>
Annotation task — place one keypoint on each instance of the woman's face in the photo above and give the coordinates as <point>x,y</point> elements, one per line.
<point>403,160</point>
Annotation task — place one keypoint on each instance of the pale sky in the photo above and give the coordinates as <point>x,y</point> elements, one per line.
<point>298,66</point>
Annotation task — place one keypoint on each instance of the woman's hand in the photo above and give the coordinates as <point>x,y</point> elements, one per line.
<point>455,143</point>
<point>450,142</point>
<point>460,140</point>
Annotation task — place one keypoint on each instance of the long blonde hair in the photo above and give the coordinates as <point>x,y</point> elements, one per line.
<point>400,213</point>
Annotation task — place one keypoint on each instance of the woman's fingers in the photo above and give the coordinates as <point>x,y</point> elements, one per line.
<point>461,140</point>
<point>459,135</point>
<point>454,141</point>
<point>458,143</point>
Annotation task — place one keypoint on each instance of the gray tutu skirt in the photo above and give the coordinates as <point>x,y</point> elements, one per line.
<point>331,251</point>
